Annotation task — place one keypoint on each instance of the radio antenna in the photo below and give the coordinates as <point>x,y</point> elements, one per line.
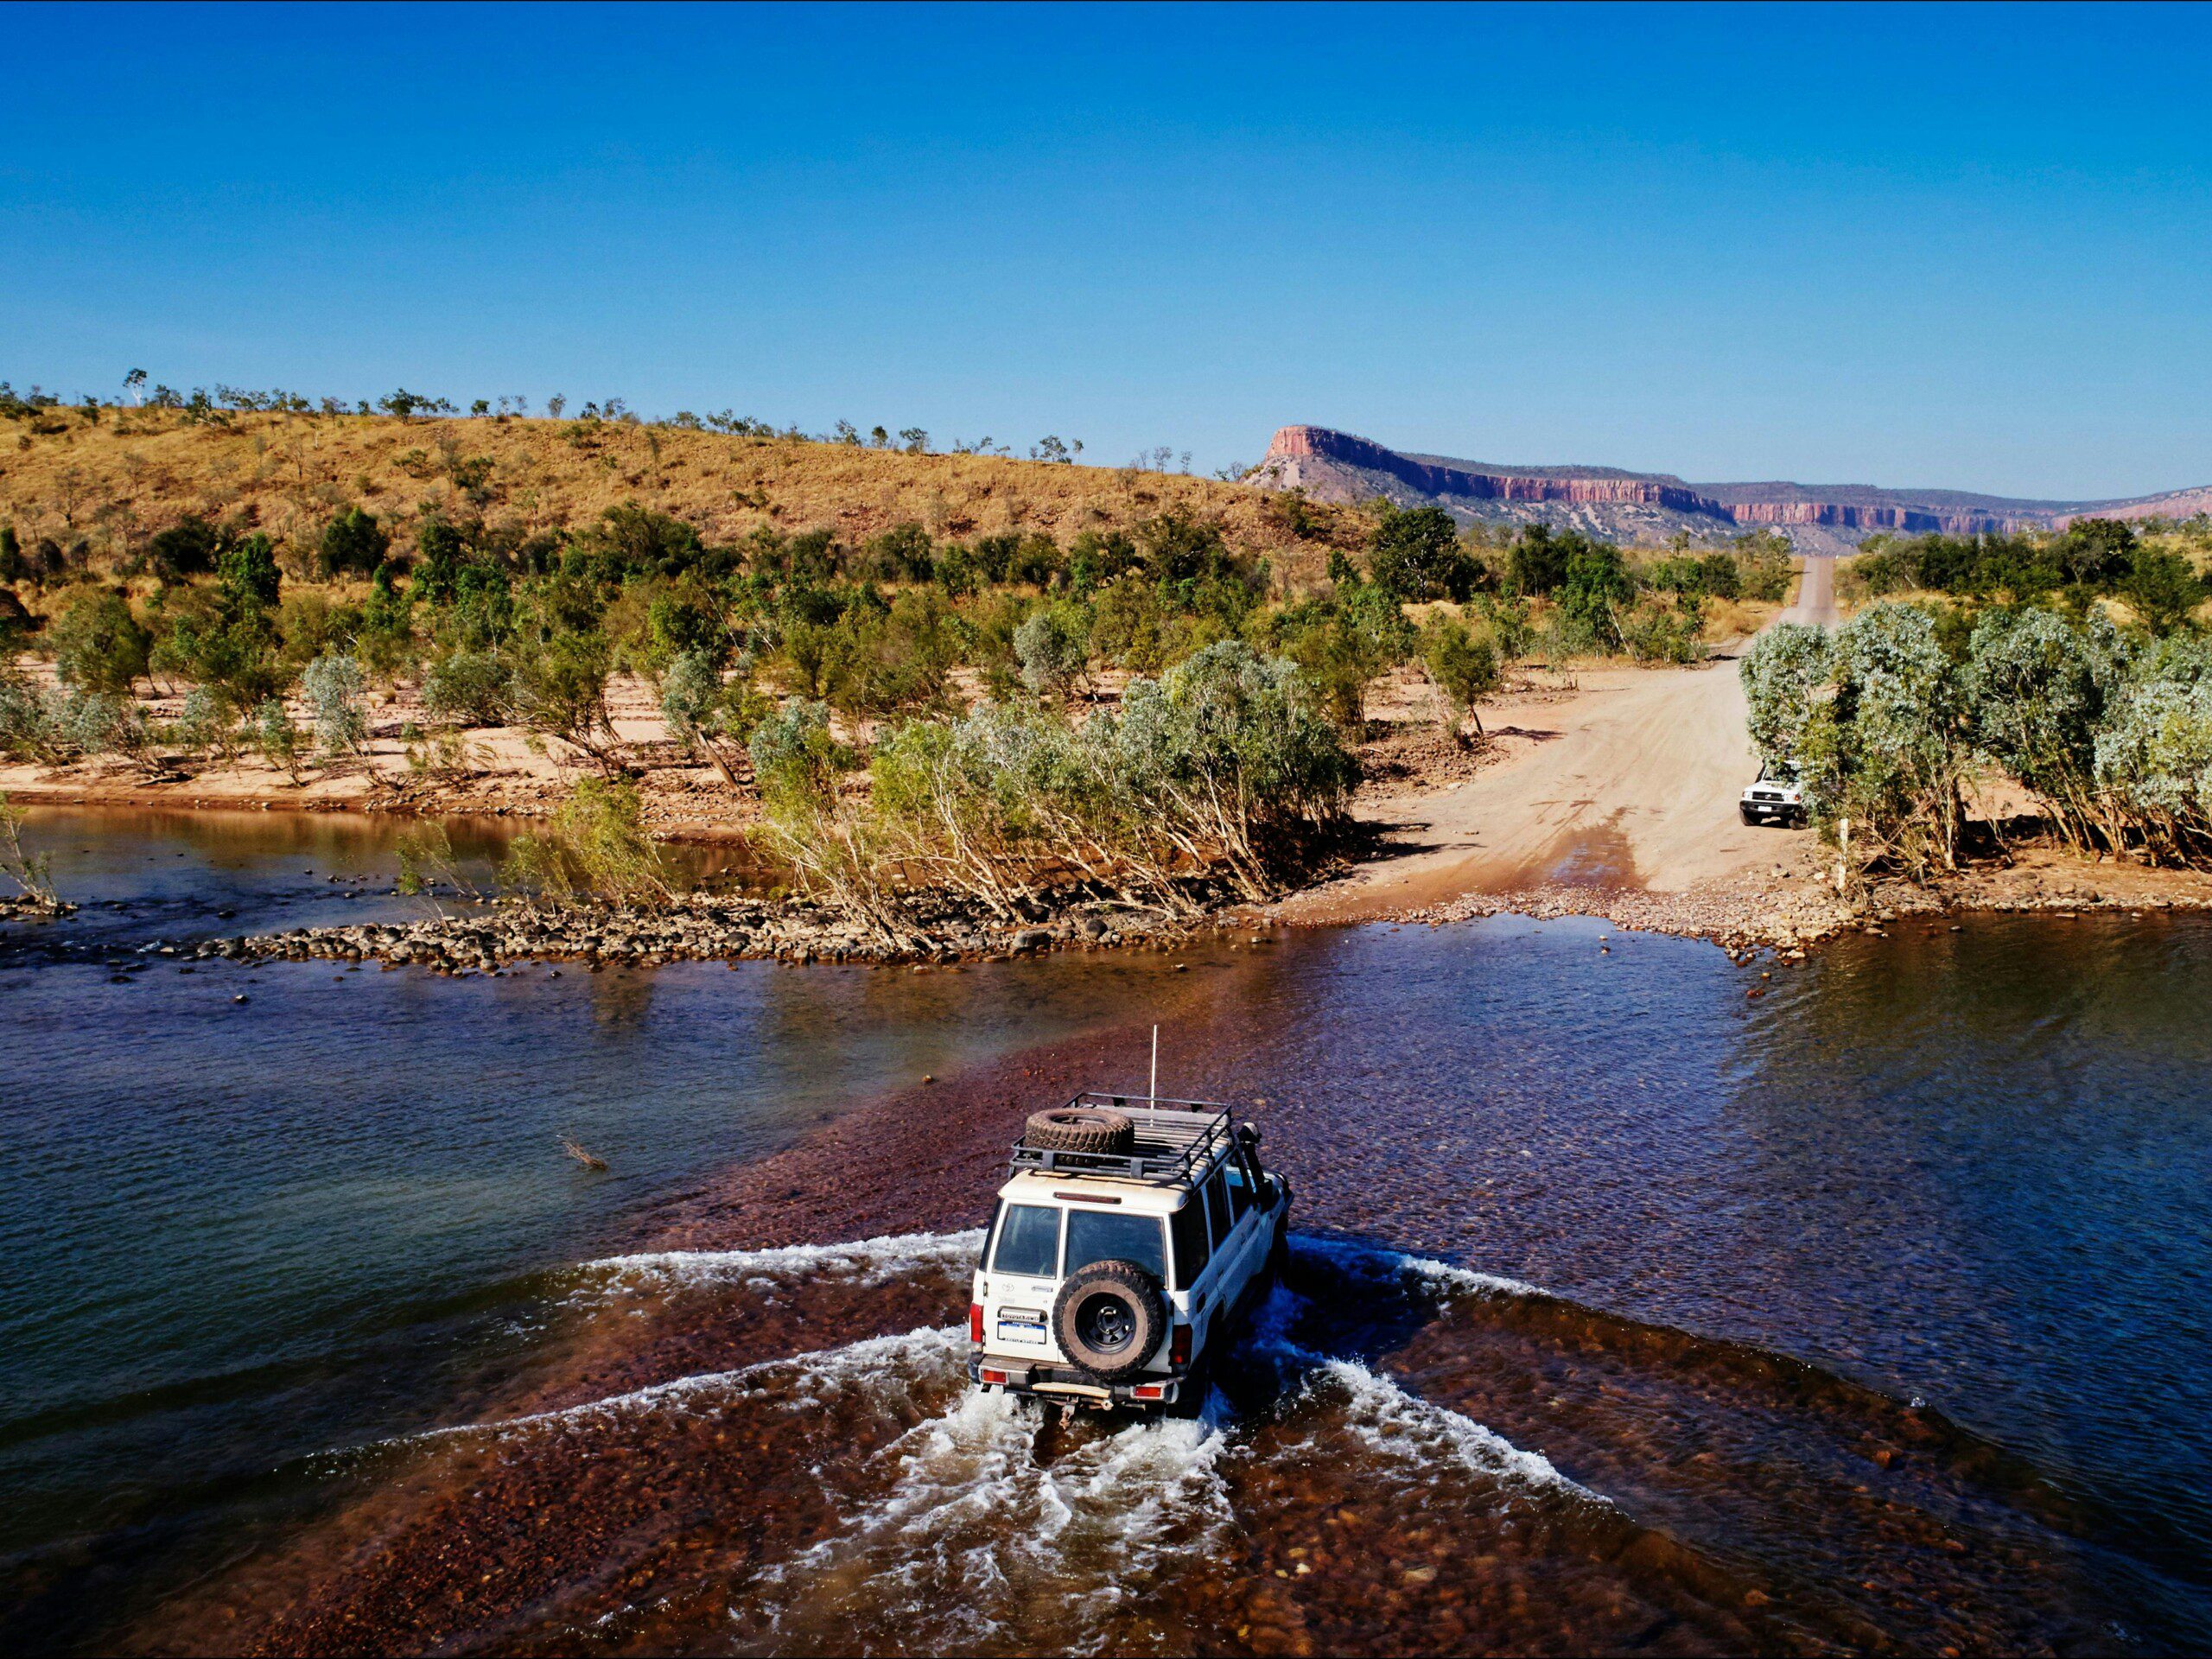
<point>1155,1066</point>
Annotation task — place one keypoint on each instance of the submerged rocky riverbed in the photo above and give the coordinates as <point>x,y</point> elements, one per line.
<point>320,1341</point>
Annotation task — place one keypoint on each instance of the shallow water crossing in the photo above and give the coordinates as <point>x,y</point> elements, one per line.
<point>1626,1311</point>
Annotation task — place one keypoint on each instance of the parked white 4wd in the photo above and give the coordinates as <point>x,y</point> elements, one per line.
<point>1132,1237</point>
<point>1776,796</point>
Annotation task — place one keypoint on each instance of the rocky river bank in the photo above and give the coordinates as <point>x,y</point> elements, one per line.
<point>713,928</point>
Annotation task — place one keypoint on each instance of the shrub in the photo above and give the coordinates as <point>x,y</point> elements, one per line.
<point>27,726</point>
<point>1225,766</point>
<point>879,661</point>
<point>1462,663</point>
<point>559,690</point>
<point>1780,672</point>
<point>1652,632</point>
<point>794,755</point>
<point>1053,647</point>
<point>467,688</point>
<point>1343,642</point>
<point>1595,588</point>
<point>2154,762</point>
<point>1888,747</point>
<point>186,549</point>
<point>205,726</point>
<point>2037,690</point>
<point>2163,588</point>
<point>277,738</point>
<point>596,846</point>
<point>332,685</point>
<point>248,573</point>
<point>703,710</point>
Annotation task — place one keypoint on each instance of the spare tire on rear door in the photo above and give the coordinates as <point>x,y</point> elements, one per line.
<point>1079,1128</point>
<point>1109,1319</point>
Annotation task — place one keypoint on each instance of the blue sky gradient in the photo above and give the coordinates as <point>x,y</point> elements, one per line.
<point>1968,247</point>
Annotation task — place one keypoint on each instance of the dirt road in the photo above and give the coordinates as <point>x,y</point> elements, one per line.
<point>1628,782</point>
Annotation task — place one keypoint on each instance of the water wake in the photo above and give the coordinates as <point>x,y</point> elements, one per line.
<point>865,1262</point>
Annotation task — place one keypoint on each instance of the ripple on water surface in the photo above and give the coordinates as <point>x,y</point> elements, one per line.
<point>1967,1169</point>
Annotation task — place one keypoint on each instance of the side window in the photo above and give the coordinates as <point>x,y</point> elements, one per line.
<point>1191,1250</point>
<point>1218,1202</point>
<point>1240,1191</point>
<point>991,1232</point>
<point>1029,1241</point>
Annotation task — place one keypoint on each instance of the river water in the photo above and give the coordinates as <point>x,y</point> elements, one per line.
<point>1638,1301</point>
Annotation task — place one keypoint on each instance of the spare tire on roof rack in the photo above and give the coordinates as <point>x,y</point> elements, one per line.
<point>1079,1128</point>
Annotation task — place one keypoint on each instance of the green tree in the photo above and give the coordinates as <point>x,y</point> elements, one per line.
<point>705,711</point>
<point>248,575</point>
<point>277,738</point>
<point>1463,666</point>
<point>189,548</point>
<point>1537,562</point>
<point>352,543</point>
<point>99,643</point>
<point>2154,767</point>
<point>559,690</point>
<point>2163,588</point>
<point>1595,588</point>
<point>1343,642</point>
<point>1416,555</point>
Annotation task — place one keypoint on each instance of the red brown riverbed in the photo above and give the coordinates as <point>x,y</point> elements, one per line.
<point>1628,1313</point>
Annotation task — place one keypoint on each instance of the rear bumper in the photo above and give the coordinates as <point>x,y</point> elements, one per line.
<point>993,1373</point>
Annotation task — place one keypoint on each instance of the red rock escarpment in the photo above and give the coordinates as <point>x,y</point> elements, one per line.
<point>1284,466</point>
<point>1334,466</point>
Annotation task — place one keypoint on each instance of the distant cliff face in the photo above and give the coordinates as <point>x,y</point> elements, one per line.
<point>1332,466</point>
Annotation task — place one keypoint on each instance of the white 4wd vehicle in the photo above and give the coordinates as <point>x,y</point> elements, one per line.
<point>1131,1238</point>
<point>1778,796</point>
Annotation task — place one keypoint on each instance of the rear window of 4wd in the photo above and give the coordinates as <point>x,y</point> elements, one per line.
<point>1029,1241</point>
<point>1103,1235</point>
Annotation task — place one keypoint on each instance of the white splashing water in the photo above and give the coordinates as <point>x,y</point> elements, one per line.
<point>866,1262</point>
<point>1409,1430</point>
<point>1444,1275</point>
<point>972,1540</point>
<point>796,1382</point>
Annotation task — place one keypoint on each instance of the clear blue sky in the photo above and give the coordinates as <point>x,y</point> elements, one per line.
<point>1965,247</point>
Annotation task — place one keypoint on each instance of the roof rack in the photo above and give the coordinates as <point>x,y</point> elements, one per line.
<point>1175,1139</point>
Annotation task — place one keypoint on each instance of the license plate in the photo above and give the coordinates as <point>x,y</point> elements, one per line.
<point>1022,1327</point>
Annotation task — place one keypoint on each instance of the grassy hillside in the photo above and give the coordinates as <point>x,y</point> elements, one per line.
<point>99,489</point>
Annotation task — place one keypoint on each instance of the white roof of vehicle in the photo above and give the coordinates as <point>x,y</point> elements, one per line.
<point>1133,1197</point>
<point>1174,1147</point>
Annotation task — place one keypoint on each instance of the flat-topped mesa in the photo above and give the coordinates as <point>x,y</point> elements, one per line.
<point>1340,467</point>
<point>1839,516</point>
<point>1292,458</point>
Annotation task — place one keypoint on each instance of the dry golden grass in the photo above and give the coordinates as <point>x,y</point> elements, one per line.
<point>114,484</point>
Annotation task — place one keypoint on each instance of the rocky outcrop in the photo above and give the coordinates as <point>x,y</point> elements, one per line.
<point>1314,457</point>
<point>1332,466</point>
<point>1836,515</point>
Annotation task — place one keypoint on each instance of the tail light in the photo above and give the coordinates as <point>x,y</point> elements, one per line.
<point>988,1376</point>
<point>976,1323</point>
<point>1143,1391</point>
<point>1179,1348</point>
